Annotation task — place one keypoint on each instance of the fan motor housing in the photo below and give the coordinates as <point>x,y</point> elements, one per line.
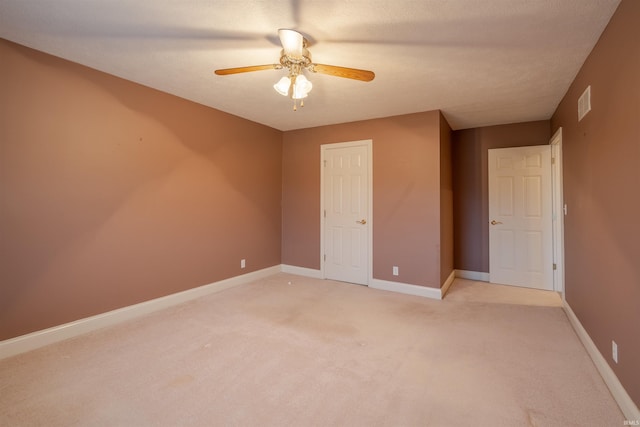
<point>290,60</point>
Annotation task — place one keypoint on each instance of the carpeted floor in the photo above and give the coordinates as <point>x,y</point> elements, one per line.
<point>294,351</point>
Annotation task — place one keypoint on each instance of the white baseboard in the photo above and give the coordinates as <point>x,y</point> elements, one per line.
<point>628,407</point>
<point>24,343</point>
<point>301,271</point>
<point>473,275</point>
<point>447,283</point>
<point>404,288</point>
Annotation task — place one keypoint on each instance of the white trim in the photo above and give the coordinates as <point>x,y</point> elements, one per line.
<point>34,340</point>
<point>447,284</point>
<point>473,275</point>
<point>368,143</point>
<point>628,407</point>
<point>404,288</point>
<point>558,211</point>
<point>302,271</point>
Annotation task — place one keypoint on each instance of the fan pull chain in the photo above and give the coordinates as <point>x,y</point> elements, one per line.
<point>295,104</point>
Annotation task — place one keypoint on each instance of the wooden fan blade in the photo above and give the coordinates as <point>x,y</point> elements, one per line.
<point>349,73</point>
<point>227,71</point>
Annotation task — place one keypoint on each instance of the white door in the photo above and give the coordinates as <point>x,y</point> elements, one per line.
<point>346,211</point>
<point>520,232</point>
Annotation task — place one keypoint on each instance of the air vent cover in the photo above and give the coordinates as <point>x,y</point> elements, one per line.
<point>584,103</point>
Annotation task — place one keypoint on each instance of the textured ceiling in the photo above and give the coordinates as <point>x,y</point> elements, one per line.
<point>482,62</point>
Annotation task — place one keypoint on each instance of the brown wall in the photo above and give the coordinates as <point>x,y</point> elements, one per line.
<point>112,193</point>
<point>446,202</point>
<point>601,154</point>
<point>471,185</point>
<point>406,194</point>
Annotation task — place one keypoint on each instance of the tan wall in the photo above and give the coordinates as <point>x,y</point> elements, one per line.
<point>406,194</point>
<point>602,190</point>
<point>470,151</point>
<point>446,201</point>
<point>112,193</point>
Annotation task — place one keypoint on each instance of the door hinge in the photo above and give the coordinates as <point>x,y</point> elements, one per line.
<point>325,257</point>
<point>325,163</point>
<point>553,160</point>
<point>555,267</point>
<point>325,213</point>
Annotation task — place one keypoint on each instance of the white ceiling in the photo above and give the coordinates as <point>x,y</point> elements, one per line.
<point>482,62</point>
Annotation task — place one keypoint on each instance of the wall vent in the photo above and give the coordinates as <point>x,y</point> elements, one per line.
<point>584,103</point>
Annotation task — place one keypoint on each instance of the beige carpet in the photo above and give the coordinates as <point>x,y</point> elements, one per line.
<point>292,351</point>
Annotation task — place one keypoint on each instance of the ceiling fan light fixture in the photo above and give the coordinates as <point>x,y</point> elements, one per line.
<point>301,88</point>
<point>282,87</point>
<point>298,90</point>
<point>296,58</point>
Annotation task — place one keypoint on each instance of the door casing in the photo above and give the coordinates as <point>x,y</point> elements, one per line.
<point>558,211</point>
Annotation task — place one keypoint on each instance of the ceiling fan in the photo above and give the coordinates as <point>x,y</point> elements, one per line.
<point>296,57</point>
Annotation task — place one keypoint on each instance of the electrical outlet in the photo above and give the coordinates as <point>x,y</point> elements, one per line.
<point>243,263</point>
<point>614,351</point>
<point>395,270</point>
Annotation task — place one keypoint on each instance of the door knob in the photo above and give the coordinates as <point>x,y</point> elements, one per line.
<point>494,222</point>
<point>362,221</point>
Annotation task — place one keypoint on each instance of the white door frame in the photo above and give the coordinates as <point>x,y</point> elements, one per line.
<point>368,143</point>
<point>558,212</point>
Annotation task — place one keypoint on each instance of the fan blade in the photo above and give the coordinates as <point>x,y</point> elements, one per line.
<point>237,70</point>
<point>349,73</point>
<point>292,42</point>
